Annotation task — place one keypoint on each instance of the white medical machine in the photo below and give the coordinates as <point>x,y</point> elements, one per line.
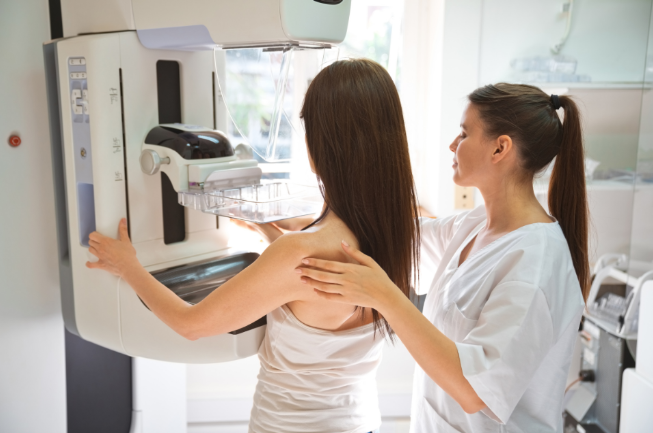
<point>127,86</point>
<point>610,345</point>
<point>637,385</point>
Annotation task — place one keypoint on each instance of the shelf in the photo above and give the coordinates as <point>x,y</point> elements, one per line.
<point>541,186</point>
<point>617,85</point>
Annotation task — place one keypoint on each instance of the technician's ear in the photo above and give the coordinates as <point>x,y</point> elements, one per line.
<point>503,147</point>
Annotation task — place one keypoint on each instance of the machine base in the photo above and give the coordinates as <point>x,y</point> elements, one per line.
<point>99,388</point>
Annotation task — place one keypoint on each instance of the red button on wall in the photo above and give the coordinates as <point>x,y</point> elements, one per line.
<point>14,141</point>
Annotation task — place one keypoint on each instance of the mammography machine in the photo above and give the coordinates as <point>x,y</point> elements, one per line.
<point>637,384</point>
<point>134,98</point>
<point>610,343</point>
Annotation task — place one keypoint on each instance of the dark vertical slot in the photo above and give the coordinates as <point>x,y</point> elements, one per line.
<point>98,388</point>
<point>168,89</point>
<point>86,204</point>
<point>215,126</point>
<point>174,217</point>
<point>56,20</point>
<point>56,142</point>
<point>168,84</point>
<point>124,152</point>
<point>215,113</point>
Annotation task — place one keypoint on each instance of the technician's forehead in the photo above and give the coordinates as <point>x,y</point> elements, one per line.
<point>469,118</point>
<point>463,115</point>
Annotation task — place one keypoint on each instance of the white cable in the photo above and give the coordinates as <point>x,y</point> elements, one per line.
<point>217,78</point>
<point>284,113</point>
<point>568,8</point>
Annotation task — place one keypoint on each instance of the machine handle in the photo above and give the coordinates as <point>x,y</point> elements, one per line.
<point>151,161</point>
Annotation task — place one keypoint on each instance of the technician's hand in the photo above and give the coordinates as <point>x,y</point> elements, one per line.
<point>364,285</point>
<point>117,256</point>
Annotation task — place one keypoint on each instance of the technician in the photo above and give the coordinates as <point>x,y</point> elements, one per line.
<point>507,280</point>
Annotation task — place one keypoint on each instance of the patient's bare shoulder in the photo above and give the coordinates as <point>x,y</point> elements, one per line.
<point>286,253</point>
<point>324,243</point>
<point>290,249</point>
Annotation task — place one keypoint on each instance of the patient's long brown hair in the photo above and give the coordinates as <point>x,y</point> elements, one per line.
<point>357,140</point>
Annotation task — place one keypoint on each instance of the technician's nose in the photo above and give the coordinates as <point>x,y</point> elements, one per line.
<point>454,144</point>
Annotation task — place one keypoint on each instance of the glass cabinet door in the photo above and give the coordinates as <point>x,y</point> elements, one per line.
<point>641,245</point>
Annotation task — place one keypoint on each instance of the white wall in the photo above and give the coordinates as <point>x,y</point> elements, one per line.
<point>421,87</point>
<point>439,67</point>
<point>460,76</point>
<point>608,37</point>
<point>32,375</point>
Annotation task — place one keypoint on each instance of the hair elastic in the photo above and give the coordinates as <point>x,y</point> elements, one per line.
<point>555,100</point>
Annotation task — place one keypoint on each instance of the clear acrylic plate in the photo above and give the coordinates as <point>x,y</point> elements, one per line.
<point>269,201</point>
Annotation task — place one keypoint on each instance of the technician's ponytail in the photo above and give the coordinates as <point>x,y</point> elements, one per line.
<point>530,117</point>
<point>567,192</point>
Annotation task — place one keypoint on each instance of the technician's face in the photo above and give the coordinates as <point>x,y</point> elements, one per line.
<point>470,150</point>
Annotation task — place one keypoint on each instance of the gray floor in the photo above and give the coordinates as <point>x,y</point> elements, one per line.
<point>389,426</point>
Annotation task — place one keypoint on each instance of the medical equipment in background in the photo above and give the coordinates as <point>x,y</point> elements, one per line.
<point>637,384</point>
<point>609,338</point>
<point>126,105</point>
<point>567,10</point>
<point>553,68</point>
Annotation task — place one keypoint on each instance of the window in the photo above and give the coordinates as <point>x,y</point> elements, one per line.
<point>251,78</point>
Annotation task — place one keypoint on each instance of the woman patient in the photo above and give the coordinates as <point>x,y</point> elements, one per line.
<point>318,358</point>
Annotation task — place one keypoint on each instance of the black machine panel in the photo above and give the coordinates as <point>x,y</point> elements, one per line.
<point>191,145</point>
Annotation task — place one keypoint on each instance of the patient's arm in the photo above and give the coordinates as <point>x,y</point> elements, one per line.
<point>266,284</point>
<point>273,231</point>
<point>269,231</point>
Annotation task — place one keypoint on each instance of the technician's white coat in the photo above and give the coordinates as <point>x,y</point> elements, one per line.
<point>513,310</point>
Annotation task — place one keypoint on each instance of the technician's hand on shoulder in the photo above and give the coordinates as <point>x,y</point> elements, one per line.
<point>365,284</point>
<point>115,255</point>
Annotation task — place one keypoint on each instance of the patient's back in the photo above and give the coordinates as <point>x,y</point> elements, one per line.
<point>318,358</point>
<point>323,241</point>
<point>316,381</point>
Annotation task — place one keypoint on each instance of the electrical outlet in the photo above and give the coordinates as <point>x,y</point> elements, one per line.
<point>464,197</point>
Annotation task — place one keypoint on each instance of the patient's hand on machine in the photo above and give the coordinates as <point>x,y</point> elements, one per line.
<point>267,284</point>
<point>115,255</point>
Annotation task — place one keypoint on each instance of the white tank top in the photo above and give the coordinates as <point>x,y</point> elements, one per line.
<point>316,381</point>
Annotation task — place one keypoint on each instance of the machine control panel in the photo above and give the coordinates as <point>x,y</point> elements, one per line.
<point>81,128</point>
<point>78,84</point>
